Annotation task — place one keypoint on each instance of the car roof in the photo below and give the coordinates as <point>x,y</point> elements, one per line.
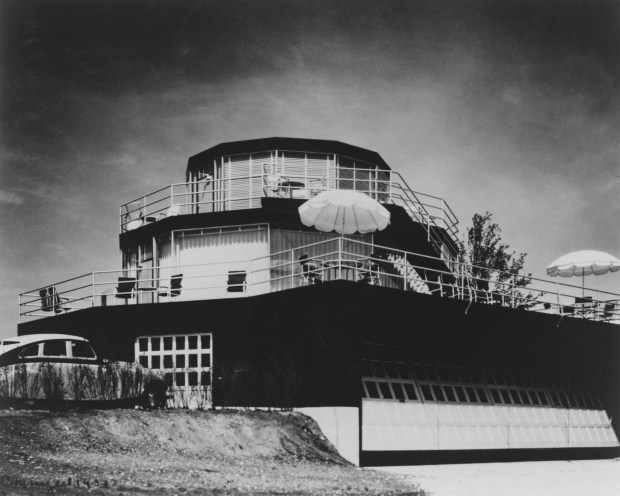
<point>32,338</point>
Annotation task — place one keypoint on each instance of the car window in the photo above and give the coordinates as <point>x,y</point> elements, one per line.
<point>8,342</point>
<point>30,351</point>
<point>56,348</point>
<point>81,349</point>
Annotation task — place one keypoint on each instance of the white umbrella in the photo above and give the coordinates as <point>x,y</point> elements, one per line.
<point>583,263</point>
<point>345,212</point>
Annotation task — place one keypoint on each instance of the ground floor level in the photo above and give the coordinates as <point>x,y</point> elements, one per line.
<point>391,377</point>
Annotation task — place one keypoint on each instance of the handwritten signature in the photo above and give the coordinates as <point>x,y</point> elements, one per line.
<point>52,485</point>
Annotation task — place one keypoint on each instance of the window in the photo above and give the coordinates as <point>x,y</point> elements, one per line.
<point>55,348</point>
<point>31,351</point>
<point>371,387</point>
<point>81,349</point>
<point>185,358</point>
<point>409,389</point>
<point>384,387</point>
<point>398,391</point>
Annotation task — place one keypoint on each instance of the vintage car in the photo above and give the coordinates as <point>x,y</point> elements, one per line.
<point>64,367</point>
<point>59,348</point>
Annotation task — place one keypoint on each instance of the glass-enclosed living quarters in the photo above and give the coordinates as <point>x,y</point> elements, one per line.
<point>213,257</point>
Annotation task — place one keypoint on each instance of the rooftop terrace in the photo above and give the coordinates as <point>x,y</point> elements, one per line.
<point>241,181</point>
<point>319,263</point>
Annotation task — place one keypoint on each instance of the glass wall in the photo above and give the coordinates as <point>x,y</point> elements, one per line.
<point>292,252</point>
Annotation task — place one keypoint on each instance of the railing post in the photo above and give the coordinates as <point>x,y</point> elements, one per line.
<point>443,213</point>
<point>340,257</point>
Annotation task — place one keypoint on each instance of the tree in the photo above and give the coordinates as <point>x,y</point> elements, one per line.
<point>490,259</point>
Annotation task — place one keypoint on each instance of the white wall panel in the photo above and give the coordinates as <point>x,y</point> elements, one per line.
<point>390,425</point>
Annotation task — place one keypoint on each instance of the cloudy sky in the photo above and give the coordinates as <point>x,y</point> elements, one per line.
<point>505,106</point>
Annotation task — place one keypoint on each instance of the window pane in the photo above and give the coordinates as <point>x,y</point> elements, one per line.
<point>81,349</point>
<point>471,394</point>
<point>55,348</point>
<point>205,360</point>
<point>205,378</point>
<point>438,393</point>
<point>193,342</point>
<point>168,361</point>
<point>155,343</point>
<point>385,390</point>
<point>516,399</point>
<point>410,391</point>
<point>426,392</point>
<point>460,394</point>
<point>144,361</point>
<point>450,396</point>
<point>144,344</point>
<point>168,378</point>
<point>193,361</point>
<point>168,343</point>
<point>180,378</point>
<point>371,387</point>
<point>30,352</point>
<point>482,395</point>
<point>155,362</point>
<point>398,391</point>
<point>180,342</point>
<point>180,361</point>
<point>205,341</point>
<point>192,379</point>
<point>543,398</point>
<point>554,398</point>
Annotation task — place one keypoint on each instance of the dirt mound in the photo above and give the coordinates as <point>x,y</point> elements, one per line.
<point>176,452</point>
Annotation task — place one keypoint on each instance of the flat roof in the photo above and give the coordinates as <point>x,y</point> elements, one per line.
<point>197,162</point>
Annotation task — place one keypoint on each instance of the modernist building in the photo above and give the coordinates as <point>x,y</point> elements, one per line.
<point>390,343</point>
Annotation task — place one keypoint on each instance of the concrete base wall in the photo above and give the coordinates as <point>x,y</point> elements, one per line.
<point>341,426</point>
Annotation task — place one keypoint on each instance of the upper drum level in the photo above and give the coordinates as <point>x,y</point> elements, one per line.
<point>235,176</point>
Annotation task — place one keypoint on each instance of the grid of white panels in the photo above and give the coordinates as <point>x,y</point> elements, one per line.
<point>185,359</point>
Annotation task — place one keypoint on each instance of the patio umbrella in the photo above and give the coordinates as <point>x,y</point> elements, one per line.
<point>583,263</point>
<point>345,212</point>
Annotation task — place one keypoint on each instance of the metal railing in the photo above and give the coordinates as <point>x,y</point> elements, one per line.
<point>246,191</point>
<point>317,263</point>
